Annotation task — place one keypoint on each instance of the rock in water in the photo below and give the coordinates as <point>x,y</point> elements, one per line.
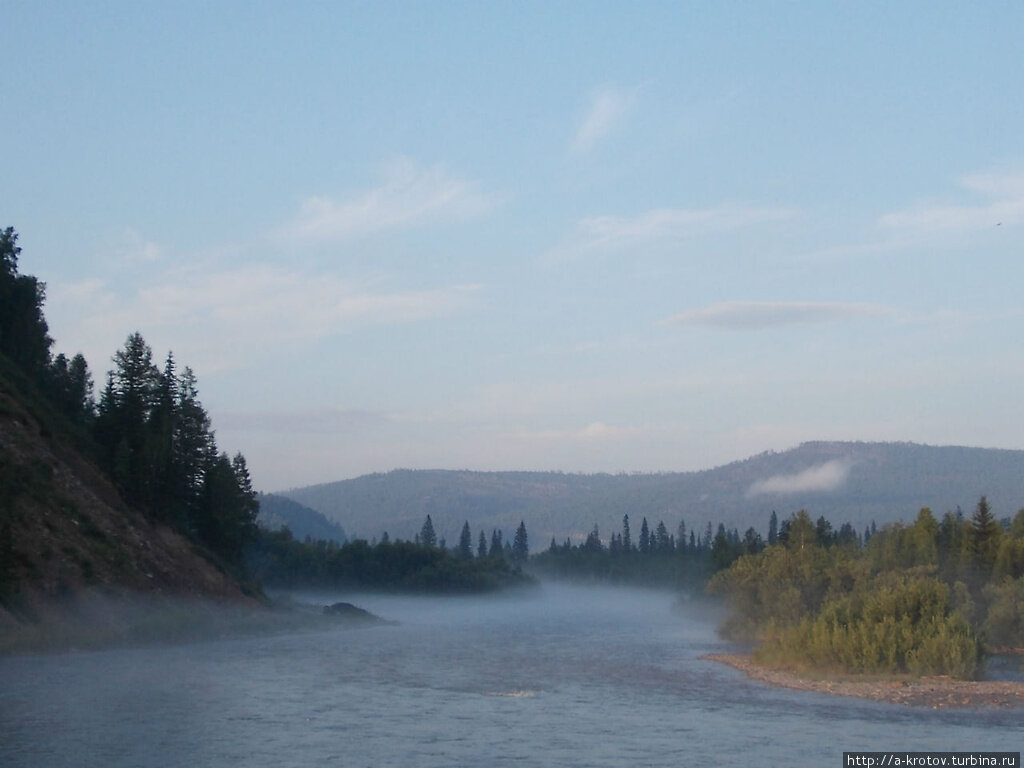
<point>351,612</point>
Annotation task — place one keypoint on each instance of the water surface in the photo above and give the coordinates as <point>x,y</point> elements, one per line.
<point>568,676</point>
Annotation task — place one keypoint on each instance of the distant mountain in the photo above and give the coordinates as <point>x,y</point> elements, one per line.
<point>277,512</point>
<point>846,482</point>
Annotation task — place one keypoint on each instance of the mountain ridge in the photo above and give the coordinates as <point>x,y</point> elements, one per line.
<point>845,481</point>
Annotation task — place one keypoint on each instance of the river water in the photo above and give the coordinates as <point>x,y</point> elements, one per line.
<point>568,676</point>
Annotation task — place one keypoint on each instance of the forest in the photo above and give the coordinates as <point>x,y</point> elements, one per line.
<point>148,431</point>
<point>277,559</point>
<point>931,597</point>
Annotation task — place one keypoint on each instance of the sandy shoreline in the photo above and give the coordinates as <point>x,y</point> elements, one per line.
<point>931,692</point>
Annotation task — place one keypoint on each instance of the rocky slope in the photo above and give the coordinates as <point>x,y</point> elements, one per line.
<point>64,531</point>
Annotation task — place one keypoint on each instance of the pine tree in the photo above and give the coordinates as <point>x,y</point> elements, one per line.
<point>481,546</point>
<point>661,541</point>
<point>496,549</point>
<point>24,334</point>
<point>427,536</point>
<point>122,427</point>
<point>627,541</point>
<point>645,538</point>
<point>70,388</point>
<point>465,550</point>
<point>984,534</point>
<point>520,545</point>
<point>773,529</point>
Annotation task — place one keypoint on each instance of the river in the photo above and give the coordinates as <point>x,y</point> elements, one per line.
<point>569,676</point>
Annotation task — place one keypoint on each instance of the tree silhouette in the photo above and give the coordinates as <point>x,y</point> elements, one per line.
<point>465,550</point>
<point>427,536</point>
<point>520,545</point>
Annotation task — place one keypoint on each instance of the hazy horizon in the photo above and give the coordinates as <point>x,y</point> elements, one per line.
<point>647,237</point>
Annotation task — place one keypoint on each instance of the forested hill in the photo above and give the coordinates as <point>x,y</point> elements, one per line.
<point>128,493</point>
<point>64,526</point>
<point>851,482</point>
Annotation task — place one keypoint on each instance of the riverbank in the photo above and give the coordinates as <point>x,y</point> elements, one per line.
<point>930,692</point>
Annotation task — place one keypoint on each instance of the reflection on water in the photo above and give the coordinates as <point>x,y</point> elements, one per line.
<point>567,676</point>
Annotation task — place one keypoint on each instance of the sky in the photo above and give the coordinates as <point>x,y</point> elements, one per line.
<point>587,237</point>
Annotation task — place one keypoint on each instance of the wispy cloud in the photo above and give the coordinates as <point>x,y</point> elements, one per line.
<point>753,315</point>
<point>829,476</point>
<point>606,108</point>
<point>229,314</point>
<point>595,431</point>
<point>409,194</point>
<point>134,248</point>
<point>1002,205</point>
<point>319,421</point>
<point>601,233</point>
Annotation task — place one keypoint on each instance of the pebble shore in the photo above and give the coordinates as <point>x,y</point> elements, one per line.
<point>930,692</point>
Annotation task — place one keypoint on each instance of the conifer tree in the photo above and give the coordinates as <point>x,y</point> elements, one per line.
<point>497,549</point>
<point>465,550</point>
<point>24,334</point>
<point>645,538</point>
<point>520,545</point>
<point>661,541</point>
<point>627,541</point>
<point>427,536</point>
<point>481,546</point>
<point>984,534</point>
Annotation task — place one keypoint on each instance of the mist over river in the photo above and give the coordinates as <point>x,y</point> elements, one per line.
<point>568,676</point>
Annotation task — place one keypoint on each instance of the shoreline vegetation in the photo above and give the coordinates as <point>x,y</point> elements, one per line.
<point>933,598</point>
<point>933,692</point>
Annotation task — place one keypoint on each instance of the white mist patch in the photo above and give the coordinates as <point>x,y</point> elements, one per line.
<point>823,477</point>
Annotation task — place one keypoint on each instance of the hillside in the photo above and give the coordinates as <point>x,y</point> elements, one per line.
<point>64,530</point>
<point>858,483</point>
<point>277,512</point>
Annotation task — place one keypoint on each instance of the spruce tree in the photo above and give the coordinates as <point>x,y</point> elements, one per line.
<point>645,538</point>
<point>427,536</point>
<point>520,545</point>
<point>627,541</point>
<point>24,334</point>
<point>465,550</point>
<point>661,541</point>
<point>984,534</point>
<point>496,549</point>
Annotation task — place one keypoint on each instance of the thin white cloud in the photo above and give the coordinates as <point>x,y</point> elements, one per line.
<point>594,432</point>
<point>753,315</point>
<point>332,421</point>
<point>606,108</point>
<point>227,315</point>
<point>136,249</point>
<point>604,233</point>
<point>1003,205</point>
<point>409,194</point>
<point>829,476</point>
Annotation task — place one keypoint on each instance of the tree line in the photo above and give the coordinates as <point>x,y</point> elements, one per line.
<point>931,597</point>
<point>148,430</point>
<point>424,564</point>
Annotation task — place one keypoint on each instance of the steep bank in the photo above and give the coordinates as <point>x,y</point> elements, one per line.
<point>64,531</point>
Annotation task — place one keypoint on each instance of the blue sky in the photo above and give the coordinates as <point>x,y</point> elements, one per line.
<point>569,236</point>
